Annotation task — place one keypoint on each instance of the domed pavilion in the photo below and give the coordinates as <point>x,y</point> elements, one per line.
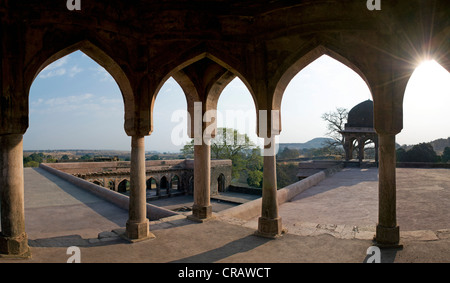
<point>359,128</point>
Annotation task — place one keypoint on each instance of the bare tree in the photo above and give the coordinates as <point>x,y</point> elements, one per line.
<point>335,124</point>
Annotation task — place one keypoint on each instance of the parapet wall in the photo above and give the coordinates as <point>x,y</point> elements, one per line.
<point>121,200</point>
<point>124,166</point>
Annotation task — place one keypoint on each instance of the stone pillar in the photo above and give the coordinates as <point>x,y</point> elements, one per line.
<point>137,227</point>
<point>361,144</point>
<point>202,209</point>
<point>13,239</point>
<point>269,224</point>
<point>387,232</point>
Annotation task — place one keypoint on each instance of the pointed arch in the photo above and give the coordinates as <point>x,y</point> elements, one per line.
<point>424,104</point>
<point>176,71</point>
<point>41,61</point>
<point>297,64</point>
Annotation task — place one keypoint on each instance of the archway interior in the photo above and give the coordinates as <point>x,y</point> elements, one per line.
<point>236,110</point>
<point>321,87</point>
<point>170,120</point>
<point>75,104</point>
<point>425,105</point>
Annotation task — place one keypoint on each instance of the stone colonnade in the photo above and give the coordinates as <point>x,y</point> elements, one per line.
<point>264,43</point>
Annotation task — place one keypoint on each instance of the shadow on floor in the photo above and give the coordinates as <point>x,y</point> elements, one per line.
<point>235,247</point>
<point>74,240</point>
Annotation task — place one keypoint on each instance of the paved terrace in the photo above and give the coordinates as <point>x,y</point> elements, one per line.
<point>332,221</point>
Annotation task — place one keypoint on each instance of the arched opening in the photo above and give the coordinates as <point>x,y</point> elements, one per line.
<point>169,120</point>
<point>221,183</point>
<point>164,184</point>
<point>421,148</point>
<point>75,104</point>
<point>236,137</point>
<point>152,187</point>
<point>322,86</point>
<point>425,104</point>
<point>124,186</point>
<point>175,183</point>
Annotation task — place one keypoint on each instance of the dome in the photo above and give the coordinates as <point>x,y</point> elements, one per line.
<point>361,116</point>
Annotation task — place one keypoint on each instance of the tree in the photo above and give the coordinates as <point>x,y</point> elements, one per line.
<point>401,154</point>
<point>289,153</point>
<point>229,142</point>
<point>255,178</point>
<point>335,124</point>
<point>86,157</point>
<point>446,154</point>
<point>422,152</point>
<point>188,149</point>
<point>154,157</point>
<point>245,156</point>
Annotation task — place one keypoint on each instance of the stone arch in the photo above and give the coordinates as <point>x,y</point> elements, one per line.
<point>418,112</point>
<point>175,183</point>
<point>123,186</point>
<point>216,77</point>
<point>151,183</point>
<point>164,183</point>
<point>112,185</point>
<point>100,57</point>
<point>299,61</point>
<point>221,183</point>
<point>230,72</point>
<point>152,186</point>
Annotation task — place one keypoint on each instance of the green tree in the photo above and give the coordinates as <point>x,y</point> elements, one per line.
<point>401,154</point>
<point>31,164</point>
<point>245,156</point>
<point>422,152</point>
<point>446,154</point>
<point>255,178</point>
<point>154,157</point>
<point>228,143</point>
<point>288,153</point>
<point>188,150</point>
<point>86,157</point>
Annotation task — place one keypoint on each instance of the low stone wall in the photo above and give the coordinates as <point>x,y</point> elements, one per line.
<point>245,190</point>
<point>122,201</point>
<point>253,208</point>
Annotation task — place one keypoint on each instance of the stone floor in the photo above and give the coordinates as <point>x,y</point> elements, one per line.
<point>331,222</point>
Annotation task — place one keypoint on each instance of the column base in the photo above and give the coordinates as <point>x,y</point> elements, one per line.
<point>136,232</point>
<point>201,213</point>
<point>388,237</point>
<point>14,247</point>
<point>270,228</point>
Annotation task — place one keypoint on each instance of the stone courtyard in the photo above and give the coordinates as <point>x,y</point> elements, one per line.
<point>333,221</point>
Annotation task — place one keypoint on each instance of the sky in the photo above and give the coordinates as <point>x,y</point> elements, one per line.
<point>76,104</point>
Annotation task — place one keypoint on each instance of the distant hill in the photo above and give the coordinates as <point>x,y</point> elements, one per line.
<point>314,143</point>
<point>438,145</point>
